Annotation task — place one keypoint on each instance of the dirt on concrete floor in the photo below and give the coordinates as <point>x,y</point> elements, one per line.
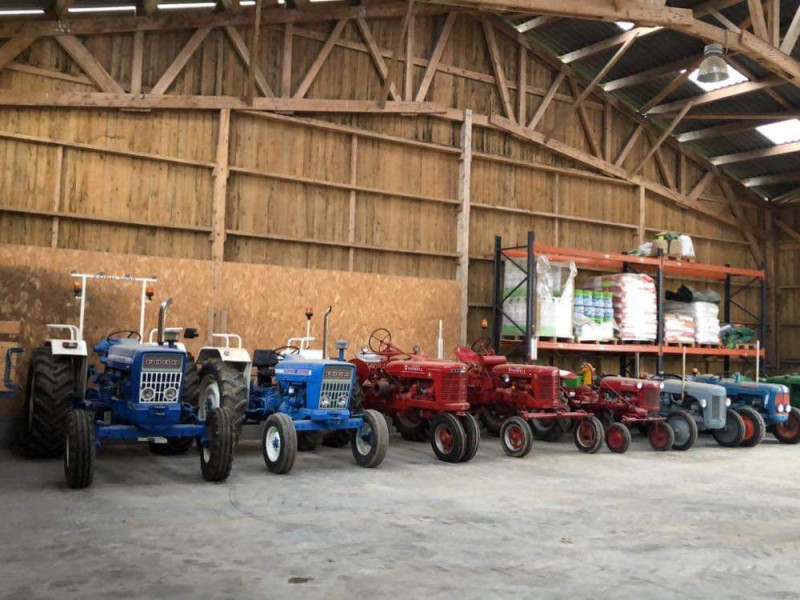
<point>708,523</point>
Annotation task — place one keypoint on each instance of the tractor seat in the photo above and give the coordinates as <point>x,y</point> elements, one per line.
<point>265,359</point>
<point>491,360</point>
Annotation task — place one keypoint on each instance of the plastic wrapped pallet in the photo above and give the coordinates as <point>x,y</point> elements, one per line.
<point>706,319</point>
<point>678,328</point>
<point>635,308</point>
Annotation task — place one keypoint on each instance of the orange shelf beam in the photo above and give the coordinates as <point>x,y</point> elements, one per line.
<point>644,349</point>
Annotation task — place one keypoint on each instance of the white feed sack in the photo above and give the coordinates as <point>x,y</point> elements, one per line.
<point>635,308</point>
<point>705,315</point>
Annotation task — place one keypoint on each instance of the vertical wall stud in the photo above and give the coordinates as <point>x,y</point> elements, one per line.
<point>464,177</point>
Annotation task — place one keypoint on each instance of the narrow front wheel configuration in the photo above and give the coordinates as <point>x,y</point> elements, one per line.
<point>685,428</point>
<point>448,438</point>
<point>788,432</point>
<point>79,449</point>
<point>472,430</point>
<point>216,457</point>
<point>732,434</point>
<point>754,426</point>
<point>589,435</point>
<point>618,438</point>
<point>661,436</point>
<point>369,443</point>
<point>547,430</point>
<point>279,443</point>
<point>516,437</point>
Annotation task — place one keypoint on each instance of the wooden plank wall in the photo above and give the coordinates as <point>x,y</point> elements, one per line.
<point>788,267</point>
<point>375,194</point>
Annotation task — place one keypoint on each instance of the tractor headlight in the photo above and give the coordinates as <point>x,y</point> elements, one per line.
<point>324,402</point>
<point>780,408</point>
<point>661,386</point>
<point>341,402</point>
<point>171,394</point>
<point>148,394</point>
<point>727,401</point>
<point>639,385</point>
<point>703,403</point>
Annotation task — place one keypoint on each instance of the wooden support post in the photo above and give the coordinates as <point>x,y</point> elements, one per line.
<point>497,67</point>
<point>398,48</point>
<point>548,97</point>
<point>58,183</point>
<point>556,209</point>
<point>773,299</point>
<point>351,222</point>
<point>255,51</point>
<point>286,61</point>
<point>522,83</point>
<point>315,67</point>
<point>221,173</point>
<point>433,63</point>
<point>408,84</point>
<point>464,183</point>
<point>642,231</point>
<point>608,128</point>
<point>136,63</point>
<point>172,72</point>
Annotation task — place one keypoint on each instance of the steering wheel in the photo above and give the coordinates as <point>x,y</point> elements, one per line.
<point>131,334</point>
<point>283,351</point>
<point>382,338</point>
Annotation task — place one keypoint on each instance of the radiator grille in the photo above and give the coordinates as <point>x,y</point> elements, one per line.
<point>454,387</point>
<point>336,391</point>
<point>545,387</point>
<point>651,399</point>
<point>717,407</point>
<point>160,382</point>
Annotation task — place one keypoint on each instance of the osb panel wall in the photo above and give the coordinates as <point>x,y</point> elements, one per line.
<point>264,303</point>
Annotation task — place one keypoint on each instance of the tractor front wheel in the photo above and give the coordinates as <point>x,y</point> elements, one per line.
<point>618,438</point>
<point>516,437</point>
<point>661,436</point>
<point>79,449</point>
<point>279,443</point>
<point>216,458</point>
<point>685,428</point>
<point>589,435</point>
<point>732,434</point>
<point>788,432</point>
<point>448,438</point>
<point>369,443</point>
<point>754,426</point>
<point>472,429</point>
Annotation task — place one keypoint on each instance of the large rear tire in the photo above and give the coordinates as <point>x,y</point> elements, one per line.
<point>279,443</point>
<point>370,443</point>
<point>223,385</point>
<point>754,426</point>
<point>685,428</point>
<point>472,429</point>
<point>79,449</point>
<point>51,385</point>
<point>412,430</point>
<point>548,430</point>
<point>216,460</point>
<point>448,438</point>
<point>516,437</point>
<point>732,434</point>
<point>492,419</point>
<point>789,431</point>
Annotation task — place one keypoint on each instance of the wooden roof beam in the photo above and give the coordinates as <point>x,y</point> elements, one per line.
<point>90,65</point>
<point>231,6</point>
<point>720,94</point>
<point>61,7</point>
<point>534,23</point>
<point>650,74</point>
<point>673,85</point>
<point>603,45</point>
<point>778,150</point>
<point>150,7</point>
<point>718,130</point>
<point>788,177</point>
<point>662,138</point>
<point>757,18</point>
<point>790,39</point>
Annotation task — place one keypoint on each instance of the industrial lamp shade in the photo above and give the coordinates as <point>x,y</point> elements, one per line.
<point>713,69</point>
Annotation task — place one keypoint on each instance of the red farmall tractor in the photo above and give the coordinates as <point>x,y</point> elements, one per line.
<point>425,397</point>
<point>619,403</point>
<point>512,399</point>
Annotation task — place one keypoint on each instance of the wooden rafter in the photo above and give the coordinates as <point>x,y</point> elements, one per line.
<point>699,187</point>
<point>607,44</point>
<point>90,65</point>
<point>790,38</point>
<point>770,152</point>
<point>12,48</point>
<point>408,76</point>
<point>522,83</point>
<point>757,18</point>
<point>433,63</point>
<point>744,70</point>
<point>375,54</point>
<point>662,138</point>
<point>398,48</point>
<point>497,67</point>
<point>243,52</point>
<point>586,123</point>
<point>721,94</point>
<point>673,85</point>
<point>252,66</point>
<point>629,144</point>
<point>775,178</point>
<point>718,131</point>
<point>534,23</point>
<point>313,71</point>
<point>137,62</point>
<point>61,7</point>
<point>231,6</point>
<point>150,7</point>
<point>661,163</point>
<point>172,72</point>
<point>650,74</point>
<point>546,100</point>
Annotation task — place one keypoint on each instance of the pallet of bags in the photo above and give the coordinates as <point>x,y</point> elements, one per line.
<point>635,305</point>
<point>706,319</point>
<point>678,328</point>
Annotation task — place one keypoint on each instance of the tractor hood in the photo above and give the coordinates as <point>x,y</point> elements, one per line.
<point>514,370</point>
<point>126,354</point>
<point>425,367</point>
<point>629,384</point>
<point>743,387</point>
<point>693,388</point>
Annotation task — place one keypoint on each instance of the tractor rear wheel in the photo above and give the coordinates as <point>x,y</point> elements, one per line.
<point>685,428</point>
<point>339,438</point>
<point>448,438</point>
<point>589,435</point>
<point>49,392</point>
<point>412,430</point>
<point>661,436</point>
<point>472,429</point>
<point>516,437</point>
<point>279,443</point>
<point>308,441</point>
<point>618,438</point>
<point>190,393</point>
<point>223,385</point>
<point>548,430</point>
<point>492,419</point>
<point>216,458</point>
<point>754,426</point>
<point>370,443</point>
<point>607,417</point>
<point>788,432</point>
<point>732,434</point>
<point>173,446</point>
<point>79,449</point>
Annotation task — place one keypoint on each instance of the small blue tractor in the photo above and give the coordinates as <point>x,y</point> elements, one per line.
<point>301,396</point>
<point>693,406</point>
<point>762,406</point>
<point>139,391</point>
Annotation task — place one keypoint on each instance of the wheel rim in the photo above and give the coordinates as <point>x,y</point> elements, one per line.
<point>364,439</point>
<point>586,435</point>
<point>658,435</point>
<point>272,443</point>
<point>514,437</point>
<point>728,433</point>
<point>681,429</point>
<point>789,428</point>
<point>749,427</point>
<point>444,439</point>
<point>209,400</point>
<point>615,438</point>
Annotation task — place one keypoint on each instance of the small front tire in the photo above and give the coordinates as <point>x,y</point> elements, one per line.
<point>369,444</point>
<point>618,438</point>
<point>754,426</point>
<point>279,443</point>
<point>516,437</point>
<point>448,438</point>
<point>472,430</point>
<point>732,434</point>
<point>79,449</point>
<point>216,457</point>
<point>589,435</point>
<point>685,428</point>
<point>788,432</point>
<point>661,436</point>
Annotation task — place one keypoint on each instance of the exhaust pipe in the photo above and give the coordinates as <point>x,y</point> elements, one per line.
<point>325,332</point>
<point>162,319</point>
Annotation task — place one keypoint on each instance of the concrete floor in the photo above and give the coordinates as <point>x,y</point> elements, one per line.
<point>710,523</point>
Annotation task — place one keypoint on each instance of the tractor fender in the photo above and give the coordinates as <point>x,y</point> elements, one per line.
<point>69,348</point>
<point>238,357</point>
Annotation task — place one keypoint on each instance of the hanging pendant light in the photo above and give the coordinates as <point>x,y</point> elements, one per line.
<point>713,69</point>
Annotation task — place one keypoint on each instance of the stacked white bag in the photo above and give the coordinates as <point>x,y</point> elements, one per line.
<point>635,309</point>
<point>705,315</point>
<point>678,328</point>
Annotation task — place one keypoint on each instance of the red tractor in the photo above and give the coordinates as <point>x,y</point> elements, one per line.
<point>512,399</point>
<point>425,397</point>
<point>621,402</point>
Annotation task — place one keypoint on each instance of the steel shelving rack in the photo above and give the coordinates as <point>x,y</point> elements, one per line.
<point>660,268</point>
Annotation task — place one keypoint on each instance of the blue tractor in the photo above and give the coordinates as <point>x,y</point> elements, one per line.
<point>762,406</point>
<point>141,390</point>
<point>301,396</point>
